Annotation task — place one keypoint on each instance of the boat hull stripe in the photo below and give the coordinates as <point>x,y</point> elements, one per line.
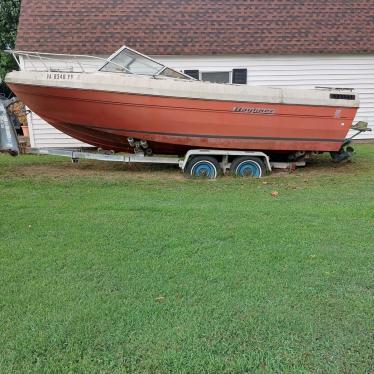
<point>209,136</point>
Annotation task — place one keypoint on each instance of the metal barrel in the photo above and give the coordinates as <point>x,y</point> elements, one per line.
<point>8,135</point>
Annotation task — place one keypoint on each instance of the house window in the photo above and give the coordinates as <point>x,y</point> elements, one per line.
<point>236,76</point>
<point>216,76</point>
<point>239,76</point>
<point>193,73</point>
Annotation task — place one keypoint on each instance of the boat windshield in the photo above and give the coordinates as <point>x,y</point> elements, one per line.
<point>129,61</point>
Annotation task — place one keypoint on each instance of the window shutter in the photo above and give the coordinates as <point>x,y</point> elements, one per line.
<point>192,73</point>
<point>239,76</point>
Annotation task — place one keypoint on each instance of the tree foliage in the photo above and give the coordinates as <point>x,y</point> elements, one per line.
<point>9,14</point>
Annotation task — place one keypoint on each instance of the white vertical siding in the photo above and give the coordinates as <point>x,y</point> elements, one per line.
<point>351,71</point>
<point>43,135</point>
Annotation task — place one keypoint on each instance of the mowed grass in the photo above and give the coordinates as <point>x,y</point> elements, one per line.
<point>113,268</point>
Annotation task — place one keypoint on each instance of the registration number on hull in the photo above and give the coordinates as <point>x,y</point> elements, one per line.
<point>60,76</point>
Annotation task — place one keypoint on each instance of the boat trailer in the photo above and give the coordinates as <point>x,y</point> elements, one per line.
<point>208,163</point>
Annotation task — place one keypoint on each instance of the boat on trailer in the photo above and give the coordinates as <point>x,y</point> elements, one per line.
<point>134,103</point>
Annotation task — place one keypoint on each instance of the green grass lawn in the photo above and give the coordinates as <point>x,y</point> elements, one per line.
<point>112,268</point>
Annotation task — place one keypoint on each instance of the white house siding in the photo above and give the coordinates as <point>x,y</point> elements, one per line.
<point>43,135</point>
<point>351,71</point>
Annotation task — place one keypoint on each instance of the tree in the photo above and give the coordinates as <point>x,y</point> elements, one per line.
<point>9,14</point>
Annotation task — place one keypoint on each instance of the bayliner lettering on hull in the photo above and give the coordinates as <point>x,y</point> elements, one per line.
<point>254,110</point>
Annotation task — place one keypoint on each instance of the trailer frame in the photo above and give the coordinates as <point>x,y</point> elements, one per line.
<point>224,157</point>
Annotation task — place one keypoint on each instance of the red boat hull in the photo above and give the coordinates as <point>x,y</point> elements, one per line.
<point>173,125</point>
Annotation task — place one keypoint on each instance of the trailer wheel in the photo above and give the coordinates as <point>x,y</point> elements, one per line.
<point>203,167</point>
<point>248,167</point>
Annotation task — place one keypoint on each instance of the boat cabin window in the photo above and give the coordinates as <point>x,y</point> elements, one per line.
<point>131,62</point>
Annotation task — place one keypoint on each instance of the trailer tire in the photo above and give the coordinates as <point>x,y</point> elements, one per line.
<point>203,167</point>
<point>248,167</point>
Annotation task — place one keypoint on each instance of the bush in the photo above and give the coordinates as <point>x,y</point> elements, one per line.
<point>9,14</point>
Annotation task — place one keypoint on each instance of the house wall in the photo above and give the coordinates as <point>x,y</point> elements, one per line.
<point>351,71</point>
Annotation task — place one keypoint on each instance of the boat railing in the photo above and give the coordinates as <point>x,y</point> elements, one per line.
<point>58,62</point>
<point>125,60</point>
